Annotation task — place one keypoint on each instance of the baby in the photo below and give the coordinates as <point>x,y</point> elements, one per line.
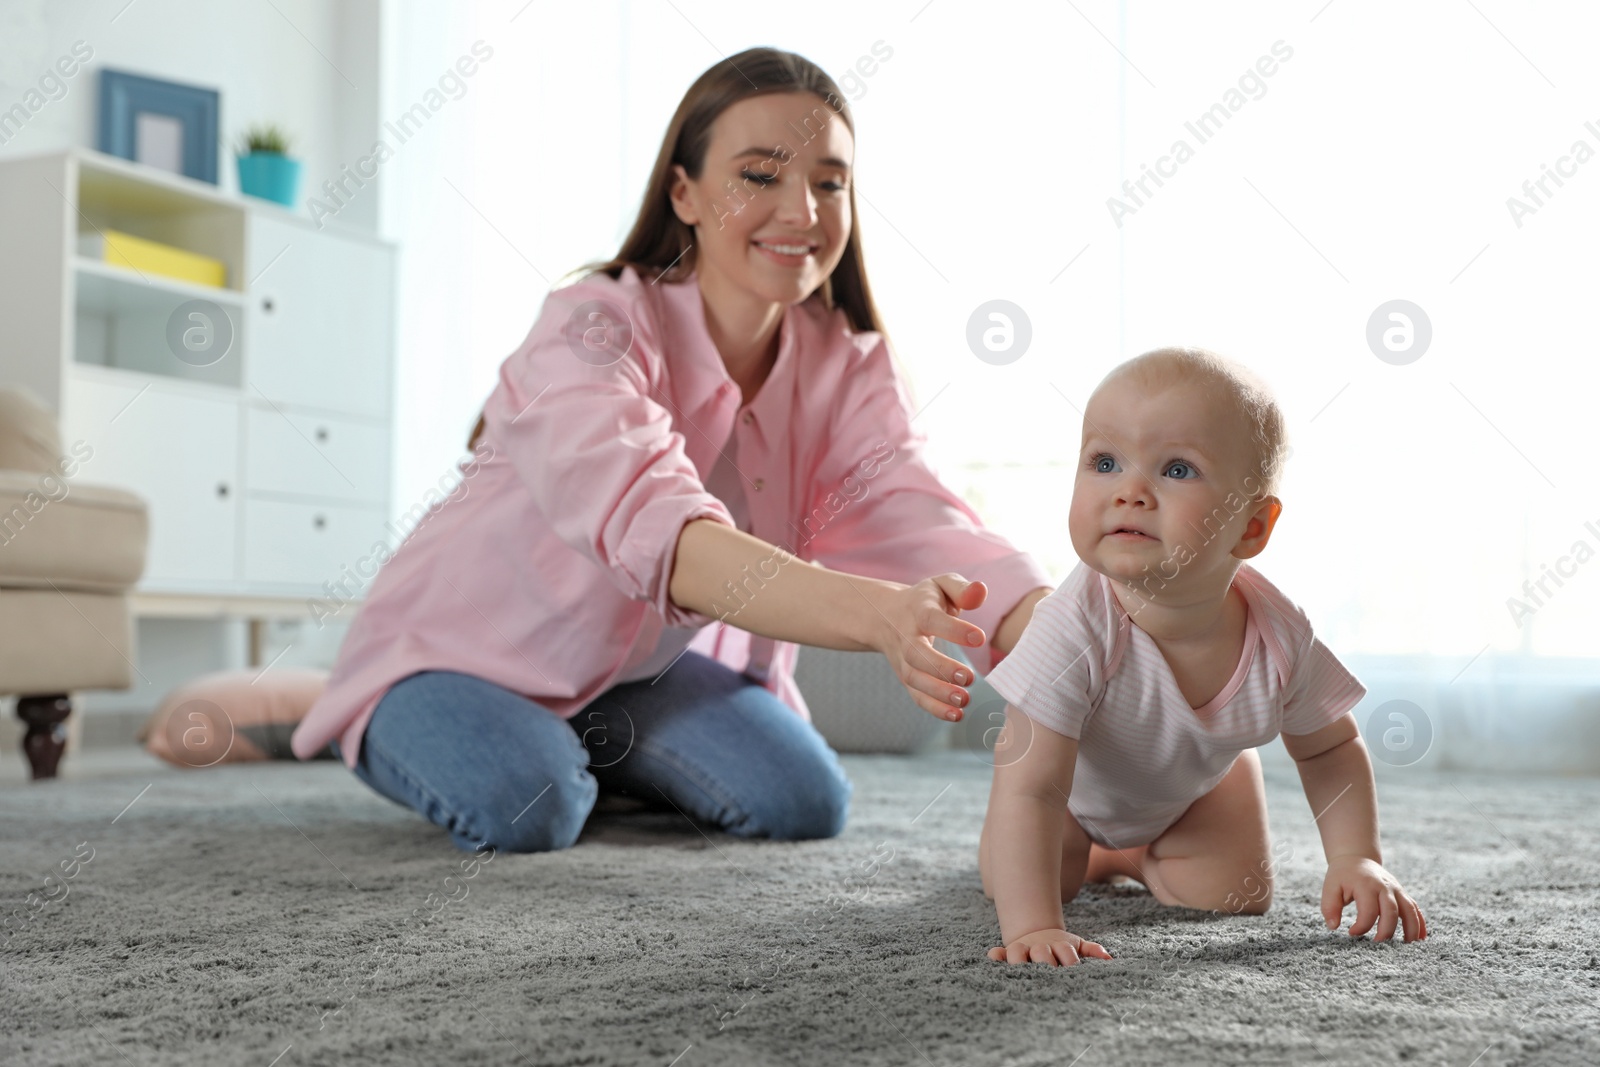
<point>1141,686</point>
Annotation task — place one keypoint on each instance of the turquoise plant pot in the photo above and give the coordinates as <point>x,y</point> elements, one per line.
<point>270,176</point>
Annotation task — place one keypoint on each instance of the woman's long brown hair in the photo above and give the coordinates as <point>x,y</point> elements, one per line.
<point>661,244</point>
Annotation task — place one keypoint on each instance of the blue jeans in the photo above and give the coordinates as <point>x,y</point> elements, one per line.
<point>493,767</point>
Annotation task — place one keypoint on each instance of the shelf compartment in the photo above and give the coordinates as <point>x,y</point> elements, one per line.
<point>122,321</point>
<point>158,208</point>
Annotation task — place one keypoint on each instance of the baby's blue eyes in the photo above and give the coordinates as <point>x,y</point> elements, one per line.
<point>1103,463</point>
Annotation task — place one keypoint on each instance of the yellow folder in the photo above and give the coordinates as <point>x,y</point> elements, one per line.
<point>152,257</point>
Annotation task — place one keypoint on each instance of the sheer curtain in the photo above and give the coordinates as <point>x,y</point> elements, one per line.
<point>1339,157</point>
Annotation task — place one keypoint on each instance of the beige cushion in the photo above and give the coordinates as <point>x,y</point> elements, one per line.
<point>29,439</point>
<point>79,536</point>
<point>233,717</point>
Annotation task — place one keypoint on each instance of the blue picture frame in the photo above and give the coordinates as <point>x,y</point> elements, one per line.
<point>123,96</point>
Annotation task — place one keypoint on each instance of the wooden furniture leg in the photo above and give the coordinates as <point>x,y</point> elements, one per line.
<point>46,739</point>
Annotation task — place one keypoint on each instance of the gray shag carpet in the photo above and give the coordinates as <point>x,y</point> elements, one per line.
<point>272,914</point>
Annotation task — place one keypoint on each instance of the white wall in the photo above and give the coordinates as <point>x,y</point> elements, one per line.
<point>309,65</point>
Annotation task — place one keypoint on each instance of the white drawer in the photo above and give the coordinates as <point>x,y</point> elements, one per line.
<point>290,450</point>
<point>307,545</point>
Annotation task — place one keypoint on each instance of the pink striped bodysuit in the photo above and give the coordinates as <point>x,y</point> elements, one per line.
<point>1084,669</point>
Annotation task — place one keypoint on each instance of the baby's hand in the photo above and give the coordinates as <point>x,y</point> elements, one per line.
<point>1377,896</point>
<point>1048,946</point>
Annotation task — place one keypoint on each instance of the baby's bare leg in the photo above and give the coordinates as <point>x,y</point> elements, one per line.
<point>1217,856</point>
<point>1105,862</point>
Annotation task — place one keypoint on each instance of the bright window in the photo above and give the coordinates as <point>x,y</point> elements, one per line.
<point>1373,163</point>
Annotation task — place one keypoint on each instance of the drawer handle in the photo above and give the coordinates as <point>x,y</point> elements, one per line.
<point>322,435</point>
<point>268,305</point>
<point>222,490</point>
<point>319,521</point>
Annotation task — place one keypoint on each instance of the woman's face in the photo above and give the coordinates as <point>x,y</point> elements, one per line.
<point>771,208</point>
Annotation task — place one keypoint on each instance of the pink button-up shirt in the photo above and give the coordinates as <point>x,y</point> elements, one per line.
<point>547,571</point>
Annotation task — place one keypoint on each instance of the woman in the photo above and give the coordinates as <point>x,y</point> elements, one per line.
<point>707,427</point>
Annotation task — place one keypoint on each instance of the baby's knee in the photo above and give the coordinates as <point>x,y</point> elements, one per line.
<point>1254,900</point>
<point>1248,906</point>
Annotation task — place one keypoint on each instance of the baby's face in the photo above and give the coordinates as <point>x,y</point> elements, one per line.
<point>1171,463</point>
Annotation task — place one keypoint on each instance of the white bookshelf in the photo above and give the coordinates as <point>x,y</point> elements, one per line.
<point>267,471</point>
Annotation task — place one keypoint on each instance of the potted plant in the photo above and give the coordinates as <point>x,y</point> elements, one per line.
<point>265,169</point>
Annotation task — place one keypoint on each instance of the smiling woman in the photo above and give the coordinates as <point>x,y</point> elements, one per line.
<point>671,423</point>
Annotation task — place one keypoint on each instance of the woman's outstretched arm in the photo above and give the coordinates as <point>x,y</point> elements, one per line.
<point>742,580</point>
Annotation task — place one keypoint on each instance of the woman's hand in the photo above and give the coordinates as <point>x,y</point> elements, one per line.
<point>1048,946</point>
<point>1377,896</point>
<point>909,618</point>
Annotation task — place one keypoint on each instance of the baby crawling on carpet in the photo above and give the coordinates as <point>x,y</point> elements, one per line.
<point>1142,685</point>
